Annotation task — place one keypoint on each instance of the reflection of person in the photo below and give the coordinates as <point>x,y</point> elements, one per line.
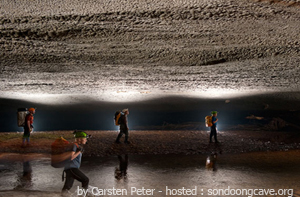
<point>213,128</point>
<point>72,167</point>
<point>211,162</point>
<point>122,170</point>
<point>26,178</point>
<point>28,126</point>
<point>27,170</point>
<point>123,126</point>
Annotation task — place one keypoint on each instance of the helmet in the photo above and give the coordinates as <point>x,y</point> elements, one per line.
<point>31,110</point>
<point>80,134</point>
<point>214,112</point>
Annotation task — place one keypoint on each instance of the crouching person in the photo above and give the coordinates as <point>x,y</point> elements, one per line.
<point>72,167</point>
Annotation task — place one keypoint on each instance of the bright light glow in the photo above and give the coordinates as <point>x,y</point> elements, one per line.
<point>126,96</point>
<point>133,96</point>
<point>224,93</point>
<point>62,99</point>
<point>122,96</point>
<point>39,97</point>
<point>207,160</point>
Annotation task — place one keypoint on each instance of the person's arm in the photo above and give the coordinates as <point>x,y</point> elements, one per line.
<point>215,120</point>
<point>76,151</point>
<point>74,155</point>
<point>126,123</point>
<point>28,124</point>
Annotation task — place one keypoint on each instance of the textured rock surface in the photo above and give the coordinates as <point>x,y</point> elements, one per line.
<point>111,49</point>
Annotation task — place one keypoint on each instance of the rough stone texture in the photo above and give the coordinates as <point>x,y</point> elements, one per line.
<point>111,49</point>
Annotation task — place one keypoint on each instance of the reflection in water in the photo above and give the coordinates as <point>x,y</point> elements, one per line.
<point>121,172</point>
<point>25,180</point>
<point>246,171</point>
<point>211,162</point>
<point>17,171</point>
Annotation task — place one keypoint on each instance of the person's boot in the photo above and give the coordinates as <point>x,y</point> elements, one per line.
<point>67,193</point>
<point>90,191</point>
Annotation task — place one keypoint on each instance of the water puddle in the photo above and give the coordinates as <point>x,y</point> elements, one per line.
<point>160,173</point>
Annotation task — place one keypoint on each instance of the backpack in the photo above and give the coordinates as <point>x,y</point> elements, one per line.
<point>117,118</point>
<point>208,121</point>
<point>21,116</point>
<point>61,152</point>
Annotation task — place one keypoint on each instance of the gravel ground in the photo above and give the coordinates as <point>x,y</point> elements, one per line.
<point>142,49</point>
<point>161,142</point>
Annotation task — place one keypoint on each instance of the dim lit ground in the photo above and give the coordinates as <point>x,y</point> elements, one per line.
<point>246,159</point>
<point>160,142</point>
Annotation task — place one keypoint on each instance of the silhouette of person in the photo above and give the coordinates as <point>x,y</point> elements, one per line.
<point>28,127</point>
<point>213,128</point>
<point>121,172</point>
<point>123,127</point>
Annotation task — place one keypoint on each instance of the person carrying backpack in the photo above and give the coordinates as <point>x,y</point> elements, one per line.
<point>72,167</point>
<point>28,127</point>
<point>213,128</point>
<point>123,126</point>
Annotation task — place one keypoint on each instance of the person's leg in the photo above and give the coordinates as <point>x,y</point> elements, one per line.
<point>211,134</point>
<point>28,140</point>
<point>69,181</point>
<point>23,141</point>
<point>25,136</point>
<point>79,176</point>
<point>126,136</point>
<point>215,134</point>
<point>119,137</point>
